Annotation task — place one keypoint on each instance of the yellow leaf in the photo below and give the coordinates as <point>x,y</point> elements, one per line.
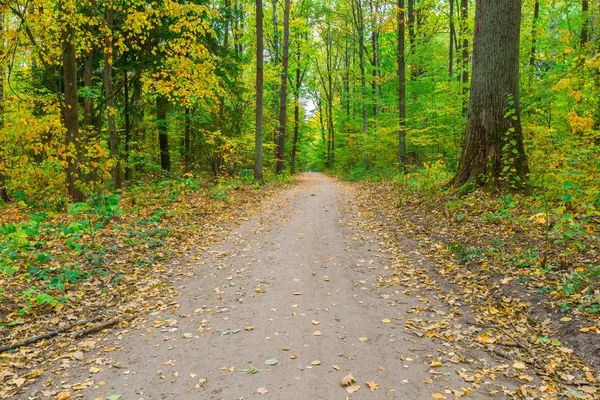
<point>438,396</point>
<point>372,386</point>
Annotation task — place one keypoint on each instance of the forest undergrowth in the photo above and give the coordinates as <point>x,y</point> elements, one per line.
<point>105,260</point>
<point>525,265</point>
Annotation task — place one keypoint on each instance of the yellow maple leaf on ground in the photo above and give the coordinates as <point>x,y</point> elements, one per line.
<point>372,386</point>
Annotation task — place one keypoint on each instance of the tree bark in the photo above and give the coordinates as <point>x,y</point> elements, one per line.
<point>493,149</point>
<point>451,41</point>
<point>3,192</point>
<point>258,152</point>
<point>163,138</point>
<point>283,90</point>
<point>585,7</point>
<point>532,51</point>
<point>70,108</point>
<point>127,112</point>
<point>110,97</point>
<point>357,11</point>
<point>401,85</point>
<point>186,141</point>
<point>464,18</point>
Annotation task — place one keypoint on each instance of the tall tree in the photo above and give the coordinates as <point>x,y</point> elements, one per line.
<point>451,41</point>
<point>258,151</point>
<point>110,96</point>
<point>493,146</point>
<point>401,85</point>
<point>163,137</point>
<point>464,24</point>
<point>283,89</point>
<point>585,8</point>
<point>70,108</point>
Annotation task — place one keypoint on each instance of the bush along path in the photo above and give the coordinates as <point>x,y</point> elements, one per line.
<point>317,297</point>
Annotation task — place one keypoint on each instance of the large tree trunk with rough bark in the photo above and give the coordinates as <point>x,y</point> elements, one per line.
<point>493,150</point>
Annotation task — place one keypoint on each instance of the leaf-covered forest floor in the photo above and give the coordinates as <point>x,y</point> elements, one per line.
<point>532,298</point>
<point>109,260</point>
<point>430,297</point>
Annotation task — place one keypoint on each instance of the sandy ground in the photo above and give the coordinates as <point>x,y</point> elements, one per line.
<point>298,287</point>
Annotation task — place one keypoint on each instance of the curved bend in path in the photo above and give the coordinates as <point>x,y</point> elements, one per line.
<point>297,287</point>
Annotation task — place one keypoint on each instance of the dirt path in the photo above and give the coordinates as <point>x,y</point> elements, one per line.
<point>299,287</point>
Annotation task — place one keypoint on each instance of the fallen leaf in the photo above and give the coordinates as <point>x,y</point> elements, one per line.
<point>519,365</point>
<point>435,364</point>
<point>315,362</point>
<point>314,322</point>
<point>352,389</point>
<point>363,339</point>
<point>271,361</point>
<point>261,390</point>
<point>348,380</point>
<point>63,395</point>
<point>386,320</point>
<point>438,396</point>
<point>372,386</point>
<point>317,333</point>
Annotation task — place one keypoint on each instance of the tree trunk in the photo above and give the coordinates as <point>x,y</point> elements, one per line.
<point>357,10</point>
<point>532,51</point>
<point>186,141</point>
<point>3,193</point>
<point>493,151</point>
<point>401,85</point>
<point>412,38</point>
<point>163,138</point>
<point>374,8</point>
<point>127,112</point>
<point>283,93</point>
<point>464,18</point>
<point>88,74</point>
<point>585,6</point>
<point>70,109</point>
<point>451,41</point>
<point>110,98</point>
<point>258,152</point>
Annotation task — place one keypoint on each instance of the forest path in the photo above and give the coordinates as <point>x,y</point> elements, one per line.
<point>300,287</point>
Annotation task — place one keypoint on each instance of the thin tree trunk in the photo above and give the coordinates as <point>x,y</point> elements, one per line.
<point>374,8</point>
<point>493,148</point>
<point>357,10</point>
<point>464,18</point>
<point>3,192</point>
<point>451,46</point>
<point>110,98</point>
<point>163,138</point>
<point>296,125</point>
<point>585,7</point>
<point>70,109</point>
<point>258,152</point>
<point>88,74</point>
<point>186,141</point>
<point>127,112</point>
<point>283,93</point>
<point>401,85</point>
<point>532,51</point>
